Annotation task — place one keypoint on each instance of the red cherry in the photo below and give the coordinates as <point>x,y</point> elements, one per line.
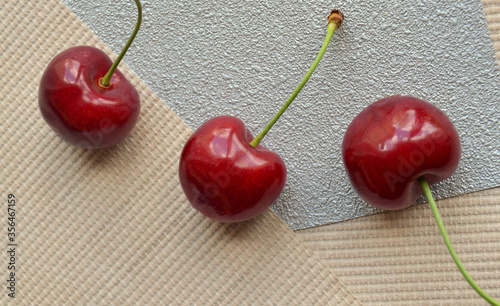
<point>85,99</point>
<point>392,143</point>
<point>394,148</point>
<point>78,108</point>
<point>223,170</point>
<point>224,177</point>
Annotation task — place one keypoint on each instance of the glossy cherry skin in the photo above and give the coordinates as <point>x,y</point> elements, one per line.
<point>80,110</point>
<point>224,177</point>
<point>392,143</point>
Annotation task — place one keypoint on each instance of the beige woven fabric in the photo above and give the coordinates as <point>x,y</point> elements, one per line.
<point>112,227</point>
<point>492,11</point>
<point>399,258</point>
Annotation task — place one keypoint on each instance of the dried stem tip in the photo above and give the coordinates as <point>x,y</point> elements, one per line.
<point>337,17</point>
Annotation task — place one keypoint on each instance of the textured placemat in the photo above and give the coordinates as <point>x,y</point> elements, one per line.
<point>112,227</point>
<point>399,258</point>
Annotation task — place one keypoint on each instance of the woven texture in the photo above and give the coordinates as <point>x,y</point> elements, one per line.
<point>112,227</point>
<point>399,258</point>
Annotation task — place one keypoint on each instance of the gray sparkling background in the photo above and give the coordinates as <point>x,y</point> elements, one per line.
<point>244,58</point>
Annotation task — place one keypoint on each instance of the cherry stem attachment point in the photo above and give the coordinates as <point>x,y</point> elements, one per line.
<point>427,191</point>
<point>105,80</point>
<point>334,21</point>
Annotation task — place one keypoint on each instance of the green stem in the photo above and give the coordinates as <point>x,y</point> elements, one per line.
<point>105,81</point>
<point>335,20</point>
<point>427,192</point>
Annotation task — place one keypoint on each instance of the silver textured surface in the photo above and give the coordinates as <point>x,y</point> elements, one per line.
<point>244,58</point>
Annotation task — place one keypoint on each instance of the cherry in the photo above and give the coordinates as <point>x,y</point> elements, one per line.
<point>225,174</point>
<point>85,100</point>
<point>392,143</point>
<point>394,149</point>
<point>229,180</point>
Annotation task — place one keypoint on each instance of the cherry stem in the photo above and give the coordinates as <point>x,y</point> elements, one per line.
<point>428,194</point>
<point>105,81</point>
<point>334,21</point>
